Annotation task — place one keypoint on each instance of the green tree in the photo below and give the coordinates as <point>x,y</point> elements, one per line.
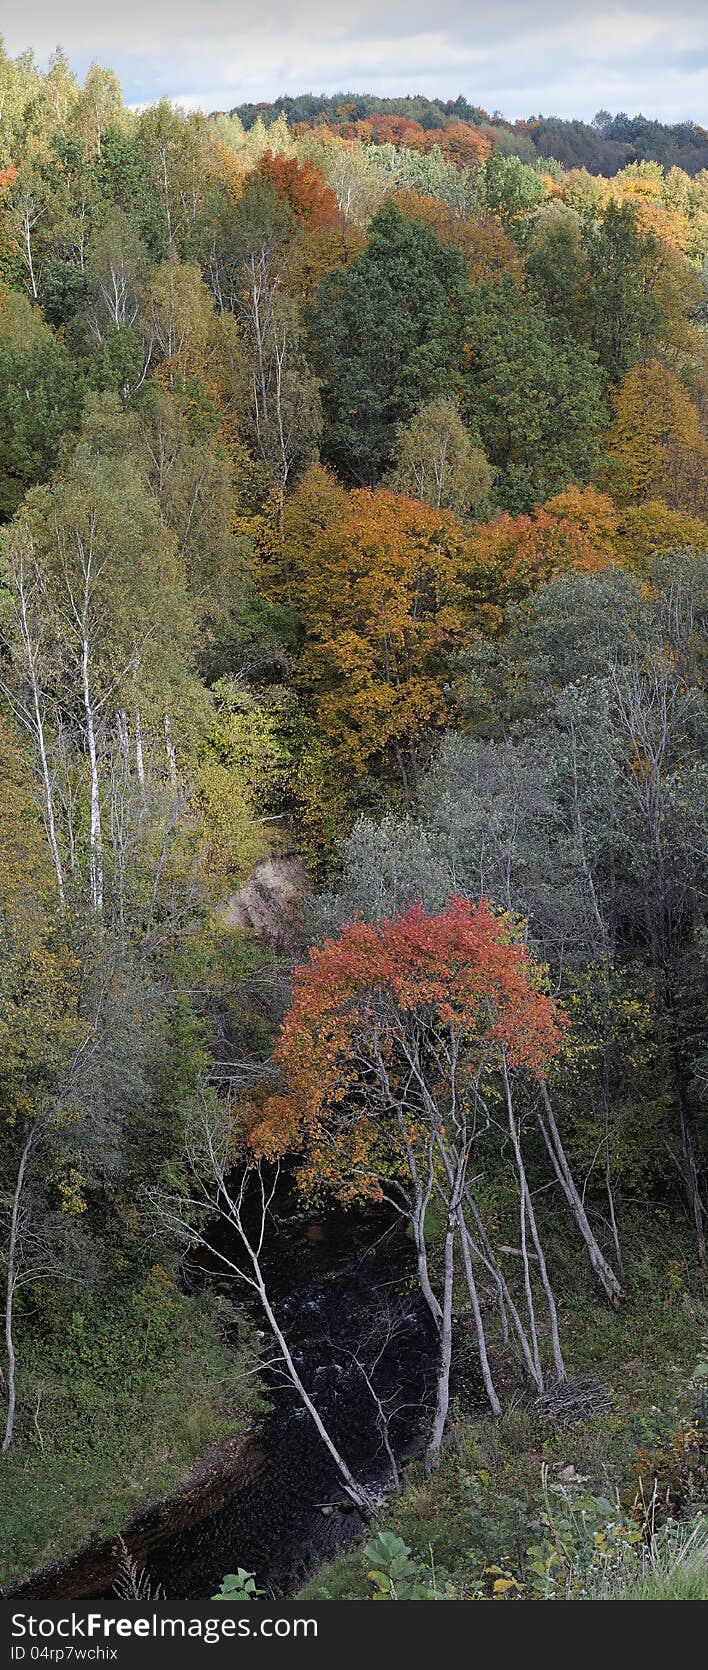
<point>625,314</point>
<point>557,265</point>
<point>98,628</point>
<point>386,335</point>
<point>509,187</point>
<point>534,394</point>
<point>40,399</point>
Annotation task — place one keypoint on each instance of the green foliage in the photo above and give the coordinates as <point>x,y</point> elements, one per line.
<point>394,1574</point>
<point>117,1400</point>
<point>509,187</point>
<point>534,394</point>
<point>438,461</point>
<point>386,336</point>
<point>238,1585</point>
<point>625,314</point>
<point>40,398</point>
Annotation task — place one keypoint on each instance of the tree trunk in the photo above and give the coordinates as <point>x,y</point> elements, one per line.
<point>48,791</point>
<point>494,1403</point>
<point>170,752</point>
<point>505,1297</point>
<point>443,1391</point>
<point>139,759</point>
<point>31,651</point>
<point>95,832</point>
<point>527,1208</point>
<point>418,1227</point>
<point>689,1160</point>
<point>551,1136</point>
<point>12,1253</point>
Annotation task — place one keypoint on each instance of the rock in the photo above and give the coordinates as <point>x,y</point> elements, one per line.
<point>266,902</point>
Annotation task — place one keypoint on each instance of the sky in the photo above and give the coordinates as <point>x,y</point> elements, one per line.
<point>521,57</point>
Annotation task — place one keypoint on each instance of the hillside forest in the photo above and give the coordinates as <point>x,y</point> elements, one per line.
<point>355,530</point>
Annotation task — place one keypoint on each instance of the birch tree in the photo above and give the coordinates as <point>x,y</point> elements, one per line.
<point>98,628</point>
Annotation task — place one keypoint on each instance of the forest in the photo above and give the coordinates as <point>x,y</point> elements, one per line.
<point>353,582</point>
<point>603,146</point>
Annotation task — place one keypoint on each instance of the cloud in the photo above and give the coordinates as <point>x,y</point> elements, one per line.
<point>551,55</point>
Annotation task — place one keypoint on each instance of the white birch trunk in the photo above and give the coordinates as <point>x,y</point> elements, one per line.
<point>12,1255</point>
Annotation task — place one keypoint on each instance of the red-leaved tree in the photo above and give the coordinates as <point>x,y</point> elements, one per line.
<point>400,1053</point>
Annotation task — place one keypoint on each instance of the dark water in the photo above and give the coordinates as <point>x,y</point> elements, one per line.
<point>345,1284</point>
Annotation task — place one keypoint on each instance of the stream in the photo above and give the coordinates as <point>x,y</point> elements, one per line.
<point>343,1284</point>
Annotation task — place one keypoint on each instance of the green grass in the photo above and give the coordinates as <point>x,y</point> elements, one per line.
<point>674,1566</point>
<point>689,1583</point>
<point>116,1403</point>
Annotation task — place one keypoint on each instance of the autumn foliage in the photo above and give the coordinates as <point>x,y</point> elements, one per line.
<point>303,187</point>
<point>488,251</point>
<point>512,555</point>
<point>377,582</point>
<point>431,1002</point>
<point>656,446</point>
<point>460,142</point>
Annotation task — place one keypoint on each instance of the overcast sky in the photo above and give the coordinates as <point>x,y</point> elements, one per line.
<point>522,57</point>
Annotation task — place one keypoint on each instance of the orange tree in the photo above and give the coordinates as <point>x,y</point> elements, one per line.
<point>512,555</point>
<point>304,188</point>
<point>376,580</point>
<point>400,1057</point>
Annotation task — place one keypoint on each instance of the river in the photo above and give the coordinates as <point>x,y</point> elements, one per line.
<point>338,1285</point>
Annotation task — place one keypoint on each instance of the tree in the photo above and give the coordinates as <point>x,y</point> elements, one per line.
<point>533,393</point>
<point>40,398</point>
<point>657,710</point>
<point>655,447</point>
<point>40,1043</point>
<point>437,461</point>
<point>314,251</point>
<point>377,585</point>
<point>249,275</point>
<point>626,318</point>
<point>304,188</point>
<point>98,632</point>
<point>116,264</point>
<point>356,181</point>
<point>607,672</point>
<point>99,107</point>
<point>653,528</point>
<point>390,1053</point>
<point>593,514</point>
<point>176,320</point>
<point>557,264</point>
<point>211,1195</point>
<point>175,149</point>
<point>385,336</point>
<point>285,413</point>
<point>509,187</point>
<point>488,251</point>
<point>512,555</point>
<point>175,441</point>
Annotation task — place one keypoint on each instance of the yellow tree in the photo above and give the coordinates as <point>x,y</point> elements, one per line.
<point>653,527</point>
<point>656,448</point>
<point>377,582</point>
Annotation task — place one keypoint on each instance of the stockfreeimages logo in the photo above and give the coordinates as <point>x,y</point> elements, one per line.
<point>59,1640</point>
